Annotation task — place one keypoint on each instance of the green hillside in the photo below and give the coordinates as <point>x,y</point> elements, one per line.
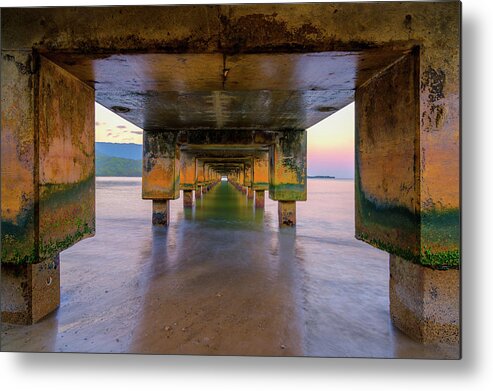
<point>117,166</point>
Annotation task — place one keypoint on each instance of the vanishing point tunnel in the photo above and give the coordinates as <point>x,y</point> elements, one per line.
<point>229,90</point>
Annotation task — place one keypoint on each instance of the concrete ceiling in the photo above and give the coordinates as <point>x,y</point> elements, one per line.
<point>270,91</point>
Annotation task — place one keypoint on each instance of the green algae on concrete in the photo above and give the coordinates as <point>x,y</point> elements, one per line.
<point>287,167</point>
<point>430,238</point>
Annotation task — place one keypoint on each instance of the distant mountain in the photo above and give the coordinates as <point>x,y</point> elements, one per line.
<point>117,166</point>
<point>114,159</point>
<point>126,151</point>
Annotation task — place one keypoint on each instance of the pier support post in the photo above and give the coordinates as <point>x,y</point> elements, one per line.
<point>160,212</point>
<point>30,292</point>
<point>259,198</point>
<point>47,163</point>
<point>261,171</point>
<point>425,303</point>
<point>161,173</point>
<point>250,193</point>
<point>407,187</point>
<point>287,213</point>
<point>287,174</point>
<point>187,198</point>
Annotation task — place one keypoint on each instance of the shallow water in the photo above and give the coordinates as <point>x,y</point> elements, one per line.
<point>223,279</point>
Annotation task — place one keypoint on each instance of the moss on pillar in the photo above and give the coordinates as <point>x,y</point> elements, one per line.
<point>161,166</point>
<point>287,167</point>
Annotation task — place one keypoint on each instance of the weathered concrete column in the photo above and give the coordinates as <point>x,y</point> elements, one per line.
<point>188,170</point>
<point>259,198</point>
<point>287,213</point>
<point>30,291</point>
<point>407,186</point>
<point>287,173</point>
<point>47,163</point>
<point>261,171</point>
<point>425,303</point>
<point>161,173</point>
<point>187,198</point>
<point>200,177</point>
<point>250,193</point>
<point>160,212</point>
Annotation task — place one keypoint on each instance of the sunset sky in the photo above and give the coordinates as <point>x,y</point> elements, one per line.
<point>330,142</point>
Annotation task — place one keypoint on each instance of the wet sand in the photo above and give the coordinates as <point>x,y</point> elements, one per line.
<point>223,279</point>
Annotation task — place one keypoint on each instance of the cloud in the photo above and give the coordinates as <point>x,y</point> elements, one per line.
<point>136,132</point>
<point>121,127</point>
<point>97,123</point>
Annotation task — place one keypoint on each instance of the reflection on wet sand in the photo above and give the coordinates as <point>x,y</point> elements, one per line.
<point>219,291</point>
<point>223,279</point>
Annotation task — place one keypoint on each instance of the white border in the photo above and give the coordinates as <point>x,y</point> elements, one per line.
<point>130,372</point>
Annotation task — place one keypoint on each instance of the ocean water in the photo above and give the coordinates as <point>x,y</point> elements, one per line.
<point>223,279</point>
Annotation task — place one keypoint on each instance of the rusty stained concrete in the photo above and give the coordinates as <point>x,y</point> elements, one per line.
<point>18,157</point>
<point>288,167</point>
<point>160,166</point>
<point>261,170</point>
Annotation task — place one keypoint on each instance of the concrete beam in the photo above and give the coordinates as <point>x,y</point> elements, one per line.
<point>407,200</point>
<point>161,166</point>
<point>287,168</point>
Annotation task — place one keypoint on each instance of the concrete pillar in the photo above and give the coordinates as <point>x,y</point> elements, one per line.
<point>47,163</point>
<point>29,292</point>
<point>187,170</point>
<point>259,198</point>
<point>160,212</point>
<point>250,193</point>
<point>200,175</point>
<point>187,198</point>
<point>161,166</point>
<point>287,167</point>
<point>287,174</point>
<point>261,171</point>
<point>161,173</point>
<point>248,173</point>
<point>407,189</point>
<point>198,194</point>
<point>287,213</point>
<point>425,303</point>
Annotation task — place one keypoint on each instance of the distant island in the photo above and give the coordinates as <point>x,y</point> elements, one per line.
<point>114,159</point>
<point>320,177</point>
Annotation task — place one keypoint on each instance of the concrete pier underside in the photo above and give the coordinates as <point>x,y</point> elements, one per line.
<point>229,91</point>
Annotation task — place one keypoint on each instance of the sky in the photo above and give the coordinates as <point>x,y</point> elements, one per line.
<point>330,142</point>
